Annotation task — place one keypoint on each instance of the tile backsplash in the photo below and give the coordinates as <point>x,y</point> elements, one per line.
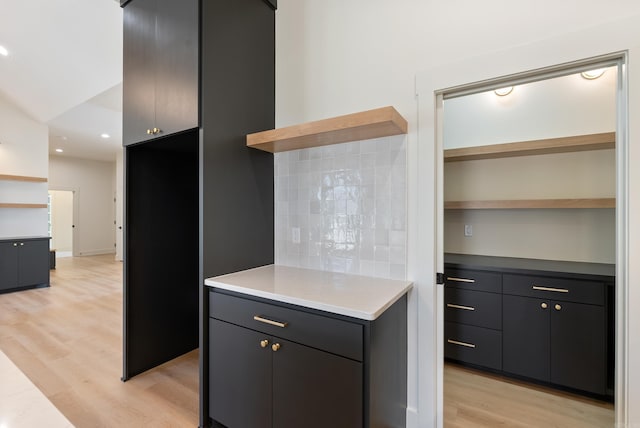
<point>343,207</point>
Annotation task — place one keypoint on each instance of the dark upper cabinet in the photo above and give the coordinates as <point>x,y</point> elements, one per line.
<point>160,74</point>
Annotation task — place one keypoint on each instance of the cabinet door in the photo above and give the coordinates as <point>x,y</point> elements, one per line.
<point>138,80</point>
<point>176,100</point>
<point>525,336</point>
<point>578,346</point>
<point>239,376</point>
<point>33,262</point>
<point>8,265</point>
<point>313,388</point>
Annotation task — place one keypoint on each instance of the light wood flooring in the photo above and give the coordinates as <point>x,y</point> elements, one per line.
<point>473,399</point>
<point>67,339</point>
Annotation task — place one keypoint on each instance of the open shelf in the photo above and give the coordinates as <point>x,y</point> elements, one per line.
<point>22,178</point>
<point>531,204</point>
<point>606,140</point>
<point>18,205</point>
<point>381,122</point>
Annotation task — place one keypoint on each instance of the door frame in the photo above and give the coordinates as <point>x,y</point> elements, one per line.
<point>75,214</point>
<point>605,42</point>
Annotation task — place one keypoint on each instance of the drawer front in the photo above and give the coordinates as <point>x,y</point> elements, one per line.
<point>473,308</point>
<point>473,345</point>
<point>473,280</point>
<point>325,333</point>
<point>568,290</point>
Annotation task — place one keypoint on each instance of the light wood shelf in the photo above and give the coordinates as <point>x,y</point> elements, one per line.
<point>18,205</point>
<point>606,140</point>
<point>22,178</point>
<point>531,204</point>
<point>381,122</point>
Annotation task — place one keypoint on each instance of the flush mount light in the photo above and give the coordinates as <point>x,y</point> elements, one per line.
<point>3,51</point>
<point>504,91</point>
<point>593,74</point>
<point>59,150</point>
<point>105,135</point>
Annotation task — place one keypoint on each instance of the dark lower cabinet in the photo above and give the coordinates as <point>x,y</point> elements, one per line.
<point>24,263</point>
<point>315,370</point>
<point>289,386</point>
<point>548,326</point>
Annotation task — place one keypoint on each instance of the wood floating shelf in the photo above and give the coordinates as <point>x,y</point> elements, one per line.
<point>17,205</point>
<point>531,204</point>
<point>575,143</point>
<point>22,178</point>
<point>381,122</point>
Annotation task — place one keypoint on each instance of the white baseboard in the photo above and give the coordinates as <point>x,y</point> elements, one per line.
<point>97,252</point>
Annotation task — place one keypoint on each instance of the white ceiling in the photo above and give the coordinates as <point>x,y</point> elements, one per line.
<point>65,69</point>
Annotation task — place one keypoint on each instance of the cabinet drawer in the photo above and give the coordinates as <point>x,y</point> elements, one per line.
<point>474,345</point>
<point>473,280</point>
<point>325,333</point>
<point>568,290</point>
<point>473,308</point>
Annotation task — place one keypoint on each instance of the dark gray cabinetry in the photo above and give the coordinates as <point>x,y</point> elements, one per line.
<point>559,336</point>
<point>24,263</point>
<point>546,321</point>
<point>160,76</point>
<point>314,369</point>
<point>473,317</point>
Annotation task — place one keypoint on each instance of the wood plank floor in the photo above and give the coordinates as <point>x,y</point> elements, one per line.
<point>67,339</point>
<point>473,399</point>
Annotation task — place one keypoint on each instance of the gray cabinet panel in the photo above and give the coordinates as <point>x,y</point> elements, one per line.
<point>24,263</point>
<point>8,265</point>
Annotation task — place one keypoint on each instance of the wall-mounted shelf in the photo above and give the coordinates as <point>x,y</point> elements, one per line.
<point>575,143</point>
<point>22,178</point>
<point>18,205</point>
<point>531,204</point>
<point>381,122</point>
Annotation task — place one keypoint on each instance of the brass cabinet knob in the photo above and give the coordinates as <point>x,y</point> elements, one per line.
<point>156,130</point>
<point>264,343</point>
<point>275,347</point>
<point>544,305</point>
<point>15,244</point>
<point>558,307</point>
<point>149,132</point>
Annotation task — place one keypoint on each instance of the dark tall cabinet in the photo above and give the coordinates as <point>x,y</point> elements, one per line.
<point>198,76</point>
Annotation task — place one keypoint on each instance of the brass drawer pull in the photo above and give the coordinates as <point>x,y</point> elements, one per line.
<point>556,290</point>
<point>270,322</point>
<point>466,308</point>
<point>455,342</point>
<point>454,279</point>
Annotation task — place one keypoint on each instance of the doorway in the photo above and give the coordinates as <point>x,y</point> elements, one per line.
<point>61,221</point>
<point>510,206</point>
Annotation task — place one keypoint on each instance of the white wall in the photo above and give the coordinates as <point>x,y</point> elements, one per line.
<point>94,183</point>
<point>335,57</point>
<point>24,150</point>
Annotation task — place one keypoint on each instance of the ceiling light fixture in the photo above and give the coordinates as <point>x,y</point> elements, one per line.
<point>105,135</point>
<point>593,74</point>
<point>3,51</point>
<point>59,150</point>
<point>504,91</point>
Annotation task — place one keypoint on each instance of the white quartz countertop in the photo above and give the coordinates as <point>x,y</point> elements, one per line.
<point>345,294</point>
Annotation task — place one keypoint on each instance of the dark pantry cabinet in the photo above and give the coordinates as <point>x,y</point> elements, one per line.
<point>24,263</point>
<point>198,202</point>
<point>160,83</point>
<point>549,321</point>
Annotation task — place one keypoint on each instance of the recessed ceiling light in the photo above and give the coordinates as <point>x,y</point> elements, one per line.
<point>59,150</point>
<point>105,135</point>
<point>3,51</point>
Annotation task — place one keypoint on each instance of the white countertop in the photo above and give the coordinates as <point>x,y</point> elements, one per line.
<point>345,294</point>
